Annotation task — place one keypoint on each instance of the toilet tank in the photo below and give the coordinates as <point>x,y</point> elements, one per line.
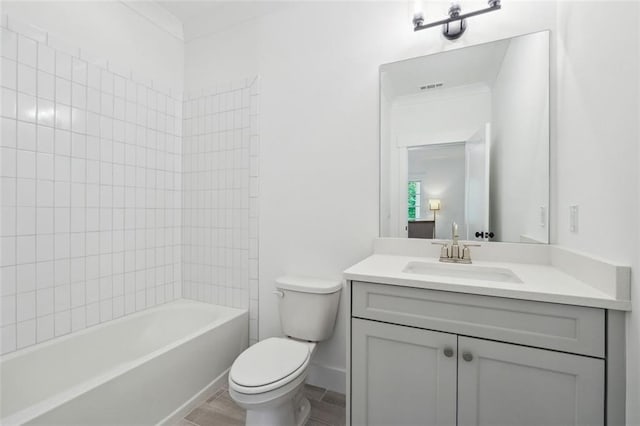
<point>308,307</point>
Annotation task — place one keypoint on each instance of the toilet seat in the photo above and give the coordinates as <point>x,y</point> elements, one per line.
<point>269,364</point>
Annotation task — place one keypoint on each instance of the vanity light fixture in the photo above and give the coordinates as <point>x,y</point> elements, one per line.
<point>456,24</point>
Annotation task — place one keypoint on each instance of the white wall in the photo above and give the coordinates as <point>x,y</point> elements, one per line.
<point>109,30</point>
<point>440,116</point>
<point>319,65</point>
<point>520,134</point>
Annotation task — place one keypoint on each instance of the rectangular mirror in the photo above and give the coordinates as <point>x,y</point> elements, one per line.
<point>464,137</point>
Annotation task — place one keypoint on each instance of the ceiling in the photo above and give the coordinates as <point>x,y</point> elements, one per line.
<point>460,67</point>
<point>204,17</point>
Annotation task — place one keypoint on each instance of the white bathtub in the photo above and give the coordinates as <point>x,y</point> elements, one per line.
<point>146,368</point>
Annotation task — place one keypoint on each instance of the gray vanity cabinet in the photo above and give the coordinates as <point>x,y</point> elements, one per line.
<point>424,357</point>
<point>504,384</point>
<point>402,376</point>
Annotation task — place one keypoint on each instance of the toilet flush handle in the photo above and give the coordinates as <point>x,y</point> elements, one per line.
<point>279,293</point>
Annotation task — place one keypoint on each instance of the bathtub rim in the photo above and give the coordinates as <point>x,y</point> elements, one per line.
<point>33,411</point>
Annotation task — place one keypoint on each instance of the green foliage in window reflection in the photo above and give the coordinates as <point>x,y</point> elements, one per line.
<point>414,192</point>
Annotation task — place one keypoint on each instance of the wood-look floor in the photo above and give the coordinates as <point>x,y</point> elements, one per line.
<point>327,409</point>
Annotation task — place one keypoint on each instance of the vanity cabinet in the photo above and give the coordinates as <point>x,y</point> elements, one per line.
<point>426,357</point>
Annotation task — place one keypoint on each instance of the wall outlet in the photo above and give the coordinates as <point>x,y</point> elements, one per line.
<point>573,218</point>
<point>543,217</point>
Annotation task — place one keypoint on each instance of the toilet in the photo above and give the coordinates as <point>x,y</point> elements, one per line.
<point>267,379</point>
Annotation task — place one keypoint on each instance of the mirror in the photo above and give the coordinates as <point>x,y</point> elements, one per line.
<point>464,137</point>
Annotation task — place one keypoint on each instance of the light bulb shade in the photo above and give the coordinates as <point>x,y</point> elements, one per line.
<point>434,204</point>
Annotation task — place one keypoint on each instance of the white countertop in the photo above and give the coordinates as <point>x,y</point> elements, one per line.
<point>544,283</point>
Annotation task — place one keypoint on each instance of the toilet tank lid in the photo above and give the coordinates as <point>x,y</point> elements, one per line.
<point>308,284</point>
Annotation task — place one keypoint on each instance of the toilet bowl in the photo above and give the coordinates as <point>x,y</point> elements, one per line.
<point>267,379</point>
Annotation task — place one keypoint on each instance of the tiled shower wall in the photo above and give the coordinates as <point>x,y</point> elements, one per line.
<point>220,198</point>
<point>90,178</point>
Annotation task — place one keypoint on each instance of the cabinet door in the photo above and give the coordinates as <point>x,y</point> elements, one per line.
<point>503,384</point>
<point>401,375</point>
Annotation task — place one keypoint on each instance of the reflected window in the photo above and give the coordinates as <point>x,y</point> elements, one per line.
<point>415,195</point>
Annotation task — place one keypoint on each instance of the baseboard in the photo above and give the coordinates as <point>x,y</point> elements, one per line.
<point>196,400</point>
<point>331,378</point>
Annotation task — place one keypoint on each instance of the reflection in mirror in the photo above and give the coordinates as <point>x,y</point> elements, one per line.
<point>465,137</point>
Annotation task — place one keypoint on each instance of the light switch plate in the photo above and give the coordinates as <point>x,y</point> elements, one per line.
<point>573,218</point>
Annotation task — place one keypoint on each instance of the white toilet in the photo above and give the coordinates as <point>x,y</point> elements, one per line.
<point>267,379</point>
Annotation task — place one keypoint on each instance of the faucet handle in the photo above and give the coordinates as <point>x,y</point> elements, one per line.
<point>466,252</point>
<point>444,251</point>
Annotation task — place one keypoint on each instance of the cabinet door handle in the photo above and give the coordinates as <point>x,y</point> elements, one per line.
<point>448,352</point>
<point>467,356</point>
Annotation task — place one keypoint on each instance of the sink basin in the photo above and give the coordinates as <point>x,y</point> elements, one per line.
<point>472,272</point>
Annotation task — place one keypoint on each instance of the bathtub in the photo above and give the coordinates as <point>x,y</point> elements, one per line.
<point>151,367</point>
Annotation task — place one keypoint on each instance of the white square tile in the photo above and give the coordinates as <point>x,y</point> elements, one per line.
<point>45,193</point>
<point>62,323</point>
<point>9,132</point>
<point>8,334</point>
<point>93,314</point>
<point>8,310</point>
<point>62,245</point>
<point>9,103</point>
<point>26,164</point>
<point>26,333</point>
<point>63,116</point>
<point>78,217</point>
<point>44,328</point>
<point>26,107</point>
<point>46,85</point>
<point>27,51</point>
<point>79,96</point>
<point>93,100</point>
<point>62,194</point>
<point>26,79</point>
<point>45,166</point>
<point>78,318</point>
<point>45,247</point>
<point>78,145</point>
<point>25,278</point>
<point>8,221</point>
<point>46,112</point>
<point>8,245</point>
<point>62,298</point>
<point>9,74</point>
<point>26,221</point>
<point>78,120</point>
<point>8,159</point>
<point>62,272</point>
<point>26,136</point>
<point>62,169</point>
<point>44,275</point>
<point>26,192</point>
<point>25,306</point>
<point>61,220</point>
<point>63,91</point>
<point>44,220</point>
<point>45,301</point>
<point>46,58</point>
<point>45,139</point>
<point>78,170</point>
<point>63,142</point>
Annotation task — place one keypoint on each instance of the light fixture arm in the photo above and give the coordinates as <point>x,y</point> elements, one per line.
<point>454,16</point>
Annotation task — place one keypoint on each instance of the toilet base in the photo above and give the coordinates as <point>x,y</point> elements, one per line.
<point>289,409</point>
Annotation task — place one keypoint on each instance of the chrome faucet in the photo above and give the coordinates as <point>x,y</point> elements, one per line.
<point>451,252</point>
